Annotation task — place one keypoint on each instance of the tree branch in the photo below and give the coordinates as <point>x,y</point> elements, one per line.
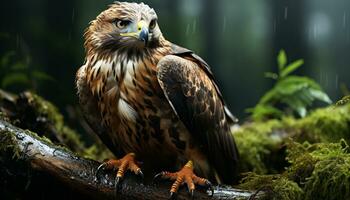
<point>79,173</point>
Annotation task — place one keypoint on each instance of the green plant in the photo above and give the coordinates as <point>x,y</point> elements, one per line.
<point>17,72</point>
<point>290,94</point>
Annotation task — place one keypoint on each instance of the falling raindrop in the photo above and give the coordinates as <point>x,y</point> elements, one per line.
<point>274,26</point>
<point>315,31</point>
<point>188,29</point>
<point>336,81</point>
<point>194,26</point>
<point>344,20</point>
<point>224,25</point>
<point>286,12</point>
<point>73,15</point>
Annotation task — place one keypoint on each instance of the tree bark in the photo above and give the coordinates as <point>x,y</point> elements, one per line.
<point>78,173</point>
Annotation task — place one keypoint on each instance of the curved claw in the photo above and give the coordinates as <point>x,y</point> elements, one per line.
<point>192,194</point>
<point>116,184</point>
<point>210,187</point>
<point>140,173</point>
<point>99,168</point>
<point>157,176</point>
<point>172,195</point>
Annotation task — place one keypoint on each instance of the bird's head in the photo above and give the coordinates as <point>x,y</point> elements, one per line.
<point>123,26</point>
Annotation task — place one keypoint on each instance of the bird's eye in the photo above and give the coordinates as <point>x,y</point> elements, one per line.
<point>153,23</point>
<point>122,23</point>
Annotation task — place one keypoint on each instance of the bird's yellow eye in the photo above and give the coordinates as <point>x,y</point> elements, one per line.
<point>122,23</point>
<point>153,23</point>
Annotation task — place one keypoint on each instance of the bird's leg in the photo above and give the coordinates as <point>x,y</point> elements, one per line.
<point>122,165</point>
<point>185,175</point>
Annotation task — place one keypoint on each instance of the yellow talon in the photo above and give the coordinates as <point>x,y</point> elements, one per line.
<point>189,164</point>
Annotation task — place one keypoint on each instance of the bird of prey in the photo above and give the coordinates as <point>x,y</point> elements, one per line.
<point>153,101</point>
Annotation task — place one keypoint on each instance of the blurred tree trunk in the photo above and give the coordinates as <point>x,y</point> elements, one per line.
<point>289,30</point>
<point>210,26</point>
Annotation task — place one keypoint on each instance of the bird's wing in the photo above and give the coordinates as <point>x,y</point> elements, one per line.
<point>89,106</point>
<point>195,98</point>
<point>183,52</point>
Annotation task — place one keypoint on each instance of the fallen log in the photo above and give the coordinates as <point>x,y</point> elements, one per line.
<point>78,173</point>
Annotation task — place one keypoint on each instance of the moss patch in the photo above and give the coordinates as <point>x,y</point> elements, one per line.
<point>262,144</point>
<point>47,110</point>
<point>316,171</point>
<point>325,125</point>
<point>8,144</point>
<point>275,187</point>
<point>328,174</point>
<point>256,142</point>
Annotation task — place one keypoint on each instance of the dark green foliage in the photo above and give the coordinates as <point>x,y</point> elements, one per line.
<point>290,94</point>
<point>17,73</point>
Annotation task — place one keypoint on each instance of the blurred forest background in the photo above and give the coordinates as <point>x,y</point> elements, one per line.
<point>42,43</point>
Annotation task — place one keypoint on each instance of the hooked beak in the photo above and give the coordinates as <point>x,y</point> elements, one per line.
<point>141,34</point>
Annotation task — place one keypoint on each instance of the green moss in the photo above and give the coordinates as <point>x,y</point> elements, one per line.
<point>316,171</point>
<point>4,117</point>
<point>256,142</point>
<point>275,187</point>
<point>8,144</point>
<point>261,144</point>
<point>325,125</point>
<point>97,152</point>
<point>343,101</point>
<point>325,169</point>
<point>44,108</point>
<point>48,142</point>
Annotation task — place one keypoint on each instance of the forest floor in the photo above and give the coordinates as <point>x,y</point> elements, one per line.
<point>288,158</point>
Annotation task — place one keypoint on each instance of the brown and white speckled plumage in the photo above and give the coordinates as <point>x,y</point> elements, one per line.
<point>155,99</point>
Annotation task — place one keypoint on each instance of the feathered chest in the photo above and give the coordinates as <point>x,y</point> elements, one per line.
<point>128,92</point>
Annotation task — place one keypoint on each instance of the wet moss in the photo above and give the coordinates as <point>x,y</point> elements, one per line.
<point>256,141</point>
<point>325,125</point>
<point>275,187</point>
<point>50,114</point>
<point>8,145</point>
<point>262,144</point>
<point>328,173</point>
<point>316,171</point>
<point>97,152</point>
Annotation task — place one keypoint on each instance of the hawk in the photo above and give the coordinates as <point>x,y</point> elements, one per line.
<point>153,101</point>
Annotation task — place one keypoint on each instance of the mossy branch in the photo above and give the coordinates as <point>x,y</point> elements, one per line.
<point>79,173</point>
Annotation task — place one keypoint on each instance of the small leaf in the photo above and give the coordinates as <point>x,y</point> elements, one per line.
<point>5,60</point>
<point>14,78</point>
<point>301,111</point>
<point>261,112</point>
<point>291,68</point>
<point>41,75</point>
<point>281,60</point>
<point>320,95</point>
<point>19,65</point>
<point>271,75</point>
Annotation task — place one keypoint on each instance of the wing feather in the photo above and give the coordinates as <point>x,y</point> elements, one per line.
<point>183,52</point>
<point>194,97</point>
